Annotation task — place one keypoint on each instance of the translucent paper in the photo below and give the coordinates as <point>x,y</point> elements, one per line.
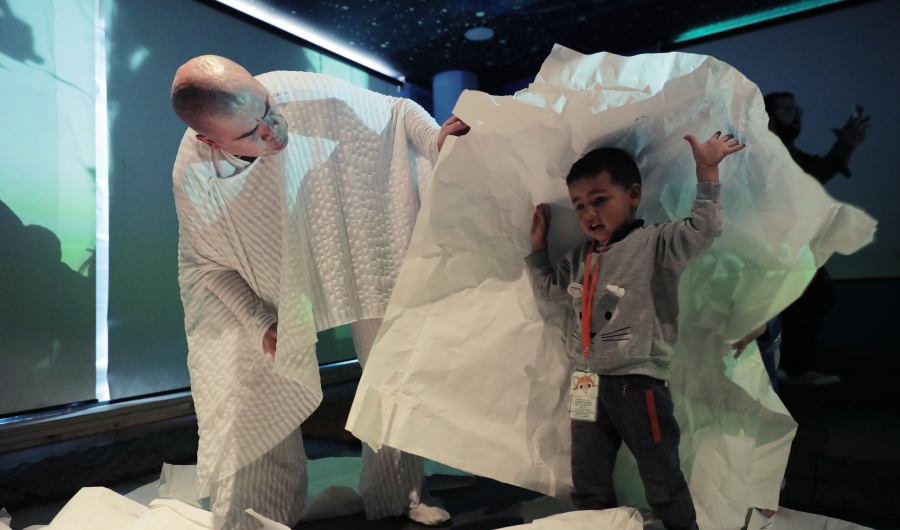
<point>470,371</point>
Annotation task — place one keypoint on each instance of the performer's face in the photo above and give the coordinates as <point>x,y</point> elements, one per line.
<point>602,206</point>
<point>784,120</point>
<point>252,129</point>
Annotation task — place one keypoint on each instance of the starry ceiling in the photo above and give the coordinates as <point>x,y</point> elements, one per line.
<point>423,37</point>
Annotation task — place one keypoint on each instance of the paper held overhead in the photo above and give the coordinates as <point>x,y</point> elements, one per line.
<point>469,370</point>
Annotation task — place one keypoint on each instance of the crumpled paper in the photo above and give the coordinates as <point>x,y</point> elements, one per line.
<point>556,514</point>
<point>630,519</point>
<point>97,509</point>
<point>786,519</point>
<point>618,518</point>
<point>470,371</point>
<point>104,509</point>
<point>169,514</point>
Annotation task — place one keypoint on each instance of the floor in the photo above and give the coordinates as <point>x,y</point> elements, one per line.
<point>845,461</point>
<point>35,484</point>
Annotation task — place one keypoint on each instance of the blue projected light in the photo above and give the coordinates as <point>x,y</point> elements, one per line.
<point>755,18</point>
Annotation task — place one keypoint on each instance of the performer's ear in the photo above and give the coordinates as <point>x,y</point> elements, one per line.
<point>208,142</point>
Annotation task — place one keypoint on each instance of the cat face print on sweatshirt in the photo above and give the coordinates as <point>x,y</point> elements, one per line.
<point>605,313</point>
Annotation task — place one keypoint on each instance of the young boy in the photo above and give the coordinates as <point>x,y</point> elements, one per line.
<point>623,284</point>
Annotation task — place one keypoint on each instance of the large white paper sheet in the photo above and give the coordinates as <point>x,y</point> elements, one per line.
<point>97,509</point>
<point>169,514</point>
<point>786,519</point>
<point>470,371</point>
<point>614,519</point>
<point>630,519</point>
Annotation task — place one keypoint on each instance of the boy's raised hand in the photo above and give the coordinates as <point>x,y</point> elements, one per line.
<point>709,154</point>
<point>540,226</point>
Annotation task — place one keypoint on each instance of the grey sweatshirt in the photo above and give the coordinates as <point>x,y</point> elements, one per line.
<point>634,323</point>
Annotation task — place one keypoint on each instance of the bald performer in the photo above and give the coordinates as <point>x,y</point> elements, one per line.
<point>268,161</point>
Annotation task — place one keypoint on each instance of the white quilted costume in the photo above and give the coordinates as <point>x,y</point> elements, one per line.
<point>312,238</point>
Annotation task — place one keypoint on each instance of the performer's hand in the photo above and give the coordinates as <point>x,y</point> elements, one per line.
<point>270,338</point>
<point>854,131</point>
<point>540,226</point>
<point>742,344</point>
<point>709,154</point>
<point>454,126</point>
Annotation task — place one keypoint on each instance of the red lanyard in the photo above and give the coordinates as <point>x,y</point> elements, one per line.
<point>587,298</point>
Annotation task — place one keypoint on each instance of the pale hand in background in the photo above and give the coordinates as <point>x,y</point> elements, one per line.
<point>270,339</point>
<point>454,126</point>
<point>742,344</point>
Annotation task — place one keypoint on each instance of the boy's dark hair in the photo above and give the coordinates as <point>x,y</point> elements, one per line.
<point>622,169</point>
<point>771,100</point>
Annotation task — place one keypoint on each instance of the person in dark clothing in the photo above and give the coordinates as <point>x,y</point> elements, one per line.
<point>768,339</point>
<point>803,319</point>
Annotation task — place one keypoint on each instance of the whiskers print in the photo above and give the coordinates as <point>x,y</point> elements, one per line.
<point>617,335</point>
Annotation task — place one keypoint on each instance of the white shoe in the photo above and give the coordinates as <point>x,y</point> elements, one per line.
<point>427,510</point>
<point>429,515</point>
<point>808,378</point>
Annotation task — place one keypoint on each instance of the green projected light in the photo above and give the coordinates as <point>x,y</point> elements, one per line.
<point>755,18</point>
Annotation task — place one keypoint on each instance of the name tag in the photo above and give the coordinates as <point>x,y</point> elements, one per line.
<point>583,396</point>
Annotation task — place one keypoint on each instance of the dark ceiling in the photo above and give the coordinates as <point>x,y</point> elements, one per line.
<point>423,37</point>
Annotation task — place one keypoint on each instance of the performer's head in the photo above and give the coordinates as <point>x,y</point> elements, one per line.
<point>605,187</point>
<point>228,108</point>
<point>784,115</point>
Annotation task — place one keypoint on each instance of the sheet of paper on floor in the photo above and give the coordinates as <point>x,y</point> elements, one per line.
<point>617,518</point>
<point>786,519</point>
<point>549,511</point>
<point>465,360</point>
<point>104,509</point>
<point>630,519</point>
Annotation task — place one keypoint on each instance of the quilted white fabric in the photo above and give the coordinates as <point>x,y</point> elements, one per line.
<point>312,238</point>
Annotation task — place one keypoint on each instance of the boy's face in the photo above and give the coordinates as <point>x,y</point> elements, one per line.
<point>603,206</point>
